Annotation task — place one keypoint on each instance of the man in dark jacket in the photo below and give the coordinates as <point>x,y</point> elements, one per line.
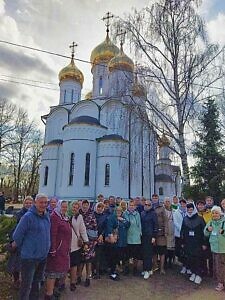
<point>149,225</point>
<point>32,237</point>
<point>2,203</point>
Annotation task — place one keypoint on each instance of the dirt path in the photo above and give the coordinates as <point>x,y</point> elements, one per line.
<point>171,286</point>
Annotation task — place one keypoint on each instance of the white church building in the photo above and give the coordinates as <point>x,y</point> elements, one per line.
<point>99,144</point>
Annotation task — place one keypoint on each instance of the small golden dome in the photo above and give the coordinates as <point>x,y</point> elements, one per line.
<point>138,90</point>
<point>121,62</point>
<point>104,52</point>
<point>163,141</point>
<point>71,72</point>
<point>88,96</point>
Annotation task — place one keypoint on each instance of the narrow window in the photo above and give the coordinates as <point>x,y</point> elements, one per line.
<point>46,176</point>
<point>72,95</point>
<point>71,173</point>
<point>64,97</point>
<point>160,191</point>
<point>87,169</point>
<point>107,174</point>
<point>100,85</point>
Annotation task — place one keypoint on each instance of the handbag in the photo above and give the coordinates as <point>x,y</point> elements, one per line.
<point>92,234</point>
<point>80,241</point>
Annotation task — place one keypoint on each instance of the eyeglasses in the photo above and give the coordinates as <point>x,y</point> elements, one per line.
<point>147,204</point>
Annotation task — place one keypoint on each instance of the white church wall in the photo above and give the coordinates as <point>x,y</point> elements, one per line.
<point>116,155</point>
<point>54,124</point>
<point>114,116</point>
<point>70,91</point>
<point>49,160</point>
<point>100,80</point>
<point>85,108</point>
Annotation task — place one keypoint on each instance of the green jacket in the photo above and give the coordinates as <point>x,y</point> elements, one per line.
<point>216,239</point>
<point>134,231</point>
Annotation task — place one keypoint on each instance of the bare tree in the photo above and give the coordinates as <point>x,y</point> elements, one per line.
<point>179,66</point>
<point>7,124</point>
<point>18,154</point>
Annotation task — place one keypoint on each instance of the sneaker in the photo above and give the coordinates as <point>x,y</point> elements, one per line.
<point>143,273</point>
<point>220,287</point>
<point>151,273</point>
<point>146,275</point>
<point>198,279</point>
<point>114,277</point>
<point>183,270</point>
<point>87,282</point>
<point>192,277</point>
<point>188,272</point>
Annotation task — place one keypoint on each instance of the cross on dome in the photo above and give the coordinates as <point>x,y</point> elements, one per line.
<point>73,49</point>
<point>106,19</point>
<point>122,34</point>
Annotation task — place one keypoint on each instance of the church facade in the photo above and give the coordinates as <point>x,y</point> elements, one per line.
<point>99,144</point>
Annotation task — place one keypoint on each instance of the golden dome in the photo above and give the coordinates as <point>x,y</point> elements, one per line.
<point>88,96</point>
<point>138,90</point>
<point>163,141</point>
<point>121,62</point>
<point>71,72</point>
<point>104,52</point>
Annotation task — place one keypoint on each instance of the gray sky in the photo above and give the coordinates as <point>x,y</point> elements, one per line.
<point>52,25</point>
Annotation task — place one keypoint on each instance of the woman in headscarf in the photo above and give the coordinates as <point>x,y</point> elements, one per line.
<point>170,237</point>
<point>78,232</point>
<point>193,242</point>
<point>215,230</point>
<point>58,260</point>
<point>52,205</point>
<point>92,232</point>
<point>101,219</point>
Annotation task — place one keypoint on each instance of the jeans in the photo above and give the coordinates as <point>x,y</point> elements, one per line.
<point>32,272</point>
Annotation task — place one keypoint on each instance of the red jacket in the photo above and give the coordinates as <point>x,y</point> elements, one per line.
<point>58,259</point>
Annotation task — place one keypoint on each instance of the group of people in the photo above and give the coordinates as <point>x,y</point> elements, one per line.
<point>55,237</point>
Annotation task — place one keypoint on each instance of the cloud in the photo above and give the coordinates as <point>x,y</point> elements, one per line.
<point>20,62</point>
<point>7,91</point>
<point>215,29</point>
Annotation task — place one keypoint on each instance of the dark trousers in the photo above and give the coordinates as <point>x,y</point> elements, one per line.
<point>194,263</point>
<point>147,252</point>
<point>112,256</point>
<point>179,251</point>
<point>32,271</point>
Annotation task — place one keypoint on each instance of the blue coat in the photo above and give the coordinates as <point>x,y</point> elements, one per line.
<point>32,235</point>
<point>149,223</point>
<point>101,222</point>
<point>122,227</point>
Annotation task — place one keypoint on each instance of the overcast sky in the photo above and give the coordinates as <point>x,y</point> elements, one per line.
<point>52,25</point>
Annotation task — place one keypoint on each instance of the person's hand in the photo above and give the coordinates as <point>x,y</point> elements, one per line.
<point>86,247</point>
<point>182,246</point>
<point>120,218</point>
<point>13,245</point>
<point>204,247</point>
<point>221,231</point>
<point>153,240</point>
<point>100,239</point>
<point>210,228</point>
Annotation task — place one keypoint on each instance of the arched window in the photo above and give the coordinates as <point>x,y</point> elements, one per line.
<point>161,191</point>
<point>100,85</point>
<point>71,173</point>
<point>107,174</point>
<point>64,97</point>
<point>46,176</point>
<point>72,95</point>
<point>87,169</point>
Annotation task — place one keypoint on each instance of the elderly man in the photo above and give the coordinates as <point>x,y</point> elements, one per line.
<point>32,237</point>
